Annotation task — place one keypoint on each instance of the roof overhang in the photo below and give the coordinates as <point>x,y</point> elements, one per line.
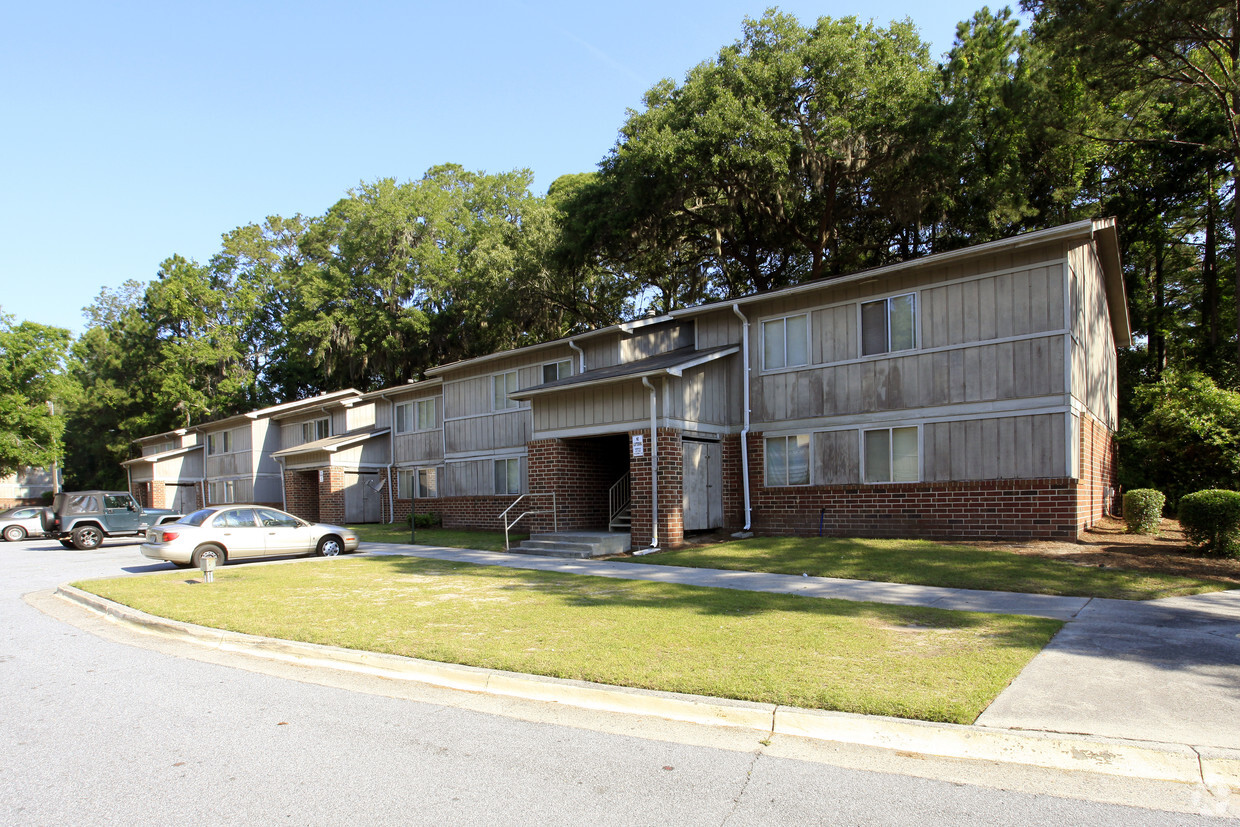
<point>154,458</point>
<point>330,444</point>
<point>672,363</point>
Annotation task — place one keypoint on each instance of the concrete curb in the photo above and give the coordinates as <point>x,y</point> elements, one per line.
<point>1213,766</point>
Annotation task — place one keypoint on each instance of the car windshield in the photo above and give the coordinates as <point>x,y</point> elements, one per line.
<point>198,517</point>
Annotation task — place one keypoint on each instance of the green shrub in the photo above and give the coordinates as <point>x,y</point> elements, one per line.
<point>1142,510</point>
<point>428,520</point>
<point>1211,521</point>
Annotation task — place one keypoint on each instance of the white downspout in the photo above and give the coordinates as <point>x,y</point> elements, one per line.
<point>581,355</point>
<point>283,491</point>
<point>654,469</point>
<point>746,413</point>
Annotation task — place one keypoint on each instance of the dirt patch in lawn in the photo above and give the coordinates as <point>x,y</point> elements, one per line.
<point>1109,544</point>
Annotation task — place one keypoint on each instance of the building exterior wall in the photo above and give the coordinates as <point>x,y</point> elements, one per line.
<point>670,498</point>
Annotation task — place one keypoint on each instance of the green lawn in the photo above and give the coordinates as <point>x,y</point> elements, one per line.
<point>927,664</point>
<point>926,563</point>
<point>449,537</point>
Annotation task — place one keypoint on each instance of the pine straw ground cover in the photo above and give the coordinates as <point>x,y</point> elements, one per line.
<point>1106,563</point>
<point>920,663</point>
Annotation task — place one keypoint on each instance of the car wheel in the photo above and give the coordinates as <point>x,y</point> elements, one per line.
<point>14,533</point>
<point>330,546</point>
<point>196,558</point>
<point>87,537</point>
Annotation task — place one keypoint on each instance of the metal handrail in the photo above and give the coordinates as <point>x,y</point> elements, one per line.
<point>503,515</point>
<point>618,498</point>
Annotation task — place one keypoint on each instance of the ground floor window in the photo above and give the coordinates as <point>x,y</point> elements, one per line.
<point>891,455</point>
<point>420,482</point>
<point>787,460</point>
<point>508,476</point>
<point>222,492</point>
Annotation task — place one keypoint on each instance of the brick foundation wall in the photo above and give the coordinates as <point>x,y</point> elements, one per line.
<point>671,490</point>
<point>331,496</point>
<point>1015,509</point>
<point>1099,466</point>
<point>733,483</point>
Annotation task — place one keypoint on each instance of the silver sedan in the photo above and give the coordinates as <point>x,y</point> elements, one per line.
<point>238,532</point>
<point>20,523</point>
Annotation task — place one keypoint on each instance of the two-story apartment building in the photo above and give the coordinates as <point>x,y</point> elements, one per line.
<point>968,393</point>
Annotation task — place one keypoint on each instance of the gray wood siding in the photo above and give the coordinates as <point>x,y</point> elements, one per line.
<point>1009,304</point>
<point>836,457</point>
<point>706,394</point>
<point>1015,447</point>
<point>719,328</point>
<point>1094,360</point>
<point>984,373</point>
<point>359,417</point>
<point>602,352</point>
<point>591,407</point>
<point>420,446</point>
<point>488,433</point>
<point>656,339</point>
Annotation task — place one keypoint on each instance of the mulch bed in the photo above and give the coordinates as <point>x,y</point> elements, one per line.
<point>1109,544</point>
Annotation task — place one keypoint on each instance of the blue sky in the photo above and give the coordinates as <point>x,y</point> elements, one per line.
<point>133,131</point>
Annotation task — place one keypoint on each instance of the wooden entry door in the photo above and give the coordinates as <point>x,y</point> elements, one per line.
<point>703,485</point>
<point>363,501</point>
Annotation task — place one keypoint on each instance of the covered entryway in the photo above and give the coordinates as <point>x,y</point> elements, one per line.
<point>703,485</point>
<point>363,498</point>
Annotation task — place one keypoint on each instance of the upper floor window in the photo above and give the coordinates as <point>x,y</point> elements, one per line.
<point>557,370</point>
<point>220,443</point>
<point>415,416</point>
<point>316,429</point>
<point>888,325</point>
<point>503,384</point>
<point>891,455</point>
<point>785,342</point>
<point>787,460</point>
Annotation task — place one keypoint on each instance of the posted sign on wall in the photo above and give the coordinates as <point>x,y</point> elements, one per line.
<point>639,445</point>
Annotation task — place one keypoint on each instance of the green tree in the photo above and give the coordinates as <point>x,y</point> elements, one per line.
<point>1131,46</point>
<point>1183,436</point>
<point>32,381</point>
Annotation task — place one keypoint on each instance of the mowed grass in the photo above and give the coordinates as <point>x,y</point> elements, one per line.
<point>447,537</point>
<point>926,563</point>
<point>920,663</point>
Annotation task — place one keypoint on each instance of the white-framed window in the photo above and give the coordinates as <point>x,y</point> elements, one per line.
<point>418,415</point>
<point>785,342</point>
<point>557,370</point>
<point>220,443</point>
<point>503,384</point>
<point>787,460</point>
<point>422,482</point>
<point>316,429</point>
<point>508,476</point>
<point>888,325</point>
<point>891,455</point>
<point>224,491</point>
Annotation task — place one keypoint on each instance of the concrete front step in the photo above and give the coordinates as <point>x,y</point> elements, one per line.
<point>576,544</point>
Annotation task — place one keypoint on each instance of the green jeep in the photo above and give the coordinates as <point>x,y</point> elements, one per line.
<point>82,519</point>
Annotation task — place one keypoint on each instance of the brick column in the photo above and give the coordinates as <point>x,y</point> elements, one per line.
<point>671,490</point>
<point>301,494</point>
<point>331,495</point>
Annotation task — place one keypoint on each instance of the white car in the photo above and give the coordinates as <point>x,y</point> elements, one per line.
<point>20,523</point>
<point>238,532</point>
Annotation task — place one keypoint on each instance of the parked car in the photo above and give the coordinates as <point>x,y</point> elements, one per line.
<point>82,519</point>
<point>20,523</point>
<point>238,532</point>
